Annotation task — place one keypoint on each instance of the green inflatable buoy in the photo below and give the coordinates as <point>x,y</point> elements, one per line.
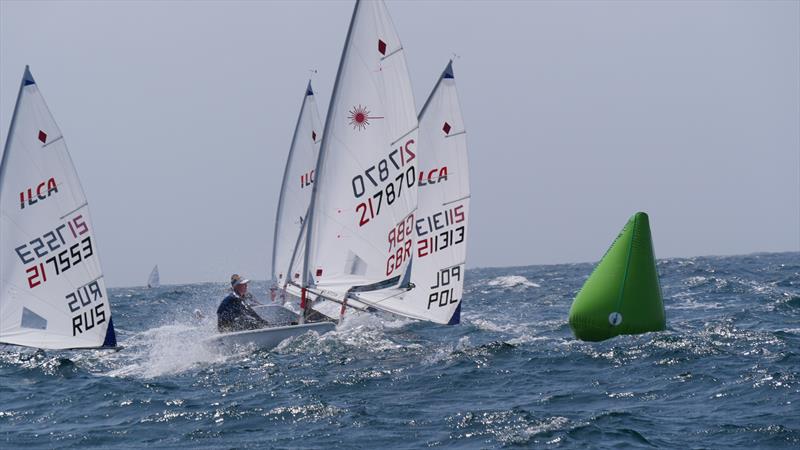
<point>622,295</point>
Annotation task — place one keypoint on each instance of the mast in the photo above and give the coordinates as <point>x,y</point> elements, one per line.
<point>323,150</point>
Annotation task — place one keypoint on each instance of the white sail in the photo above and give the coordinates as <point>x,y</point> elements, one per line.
<point>288,251</point>
<point>362,209</point>
<point>52,292</point>
<point>437,269</point>
<point>443,212</point>
<point>154,281</point>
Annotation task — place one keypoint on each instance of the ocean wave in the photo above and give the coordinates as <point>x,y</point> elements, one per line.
<point>511,375</point>
<point>509,427</point>
<point>512,281</point>
<point>303,413</point>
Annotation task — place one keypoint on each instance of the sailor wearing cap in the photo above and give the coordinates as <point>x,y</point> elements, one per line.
<point>234,314</point>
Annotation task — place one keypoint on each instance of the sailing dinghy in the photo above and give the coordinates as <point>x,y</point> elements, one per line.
<point>52,291</point>
<point>153,281</point>
<point>358,237</point>
<point>387,221</point>
<point>293,202</point>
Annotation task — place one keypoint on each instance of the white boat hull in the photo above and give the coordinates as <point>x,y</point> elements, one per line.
<point>268,338</point>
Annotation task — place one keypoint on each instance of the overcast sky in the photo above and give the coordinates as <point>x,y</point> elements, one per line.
<point>179,115</point>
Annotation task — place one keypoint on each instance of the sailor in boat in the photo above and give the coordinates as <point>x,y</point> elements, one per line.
<point>234,313</point>
<point>247,297</point>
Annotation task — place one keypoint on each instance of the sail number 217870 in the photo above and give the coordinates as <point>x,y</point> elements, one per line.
<point>392,169</point>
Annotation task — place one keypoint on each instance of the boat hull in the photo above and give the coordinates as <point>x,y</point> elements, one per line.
<point>267,338</point>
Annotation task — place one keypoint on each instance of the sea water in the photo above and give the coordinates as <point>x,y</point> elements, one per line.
<point>726,373</point>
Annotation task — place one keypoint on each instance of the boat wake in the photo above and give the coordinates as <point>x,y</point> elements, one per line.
<point>361,332</point>
<point>166,350</point>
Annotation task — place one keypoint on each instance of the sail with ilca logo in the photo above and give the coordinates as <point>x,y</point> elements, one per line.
<point>52,291</point>
<point>443,212</point>
<point>288,250</point>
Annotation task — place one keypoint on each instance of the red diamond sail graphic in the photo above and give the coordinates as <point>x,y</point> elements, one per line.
<point>43,136</point>
<point>382,47</point>
<point>446,128</point>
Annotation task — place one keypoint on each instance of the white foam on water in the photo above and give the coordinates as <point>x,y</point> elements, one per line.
<point>367,332</point>
<point>300,413</point>
<point>488,325</point>
<point>353,319</point>
<point>50,362</point>
<point>446,352</point>
<point>363,337</point>
<point>696,281</point>
<point>687,300</point>
<point>526,339</point>
<point>512,281</point>
<point>166,350</point>
<point>523,333</point>
<point>509,427</point>
<point>523,431</point>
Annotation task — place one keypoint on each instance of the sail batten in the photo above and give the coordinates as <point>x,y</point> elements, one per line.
<point>52,291</point>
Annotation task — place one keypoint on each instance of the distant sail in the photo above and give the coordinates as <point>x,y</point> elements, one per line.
<point>52,291</point>
<point>288,249</point>
<point>153,281</point>
<point>361,220</point>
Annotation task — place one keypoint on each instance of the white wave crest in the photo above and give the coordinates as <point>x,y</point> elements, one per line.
<point>369,332</point>
<point>512,281</point>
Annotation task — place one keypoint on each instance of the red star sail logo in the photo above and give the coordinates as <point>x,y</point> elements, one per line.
<point>359,117</point>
